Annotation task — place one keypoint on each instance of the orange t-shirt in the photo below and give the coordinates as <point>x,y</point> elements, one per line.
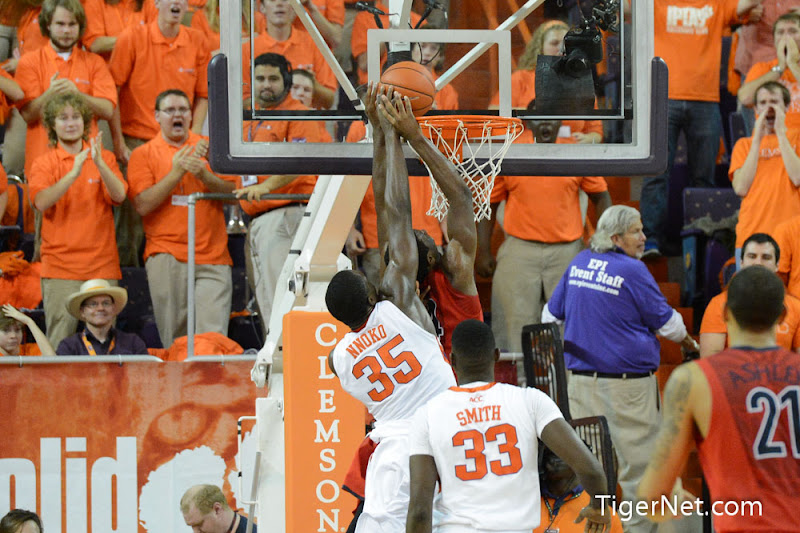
<point>523,90</point>
<point>772,197</point>
<point>787,80</point>
<point>27,349</point>
<point>332,10</point>
<point>78,239</point>
<point>787,234</point>
<point>166,228</point>
<point>447,98</point>
<point>420,190</point>
<point>145,63</point>
<point>544,208</point>
<point>299,50</point>
<point>109,20</point>
<point>688,36</point>
<point>366,21</point>
<point>29,34</point>
<point>296,131</point>
<point>35,69</point>
<point>788,331</point>
<point>5,103</point>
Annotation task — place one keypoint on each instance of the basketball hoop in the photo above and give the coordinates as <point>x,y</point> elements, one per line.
<point>491,137</point>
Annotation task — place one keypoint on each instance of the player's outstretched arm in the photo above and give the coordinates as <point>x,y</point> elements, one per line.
<point>399,282</point>
<point>422,483</point>
<point>370,99</point>
<point>559,436</point>
<point>462,233</point>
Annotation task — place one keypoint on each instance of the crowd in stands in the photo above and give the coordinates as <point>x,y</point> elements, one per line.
<point>104,104</point>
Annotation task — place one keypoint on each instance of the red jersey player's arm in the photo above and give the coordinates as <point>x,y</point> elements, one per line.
<point>423,477</point>
<point>687,398</point>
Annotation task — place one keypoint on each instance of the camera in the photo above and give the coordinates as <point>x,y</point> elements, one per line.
<point>583,45</point>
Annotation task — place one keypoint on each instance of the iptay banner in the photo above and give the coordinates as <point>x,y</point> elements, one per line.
<point>101,448</point>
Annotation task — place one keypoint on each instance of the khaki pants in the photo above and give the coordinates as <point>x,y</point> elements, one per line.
<point>55,292</point>
<point>526,276</point>
<point>271,235</point>
<point>631,407</point>
<point>168,280</point>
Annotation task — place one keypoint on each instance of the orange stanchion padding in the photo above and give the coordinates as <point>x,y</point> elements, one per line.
<point>324,425</point>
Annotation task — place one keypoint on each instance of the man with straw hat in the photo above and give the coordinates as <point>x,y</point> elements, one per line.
<point>97,304</point>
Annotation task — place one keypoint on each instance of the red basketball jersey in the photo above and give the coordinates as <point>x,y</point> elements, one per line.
<point>752,450</point>
<point>448,307</point>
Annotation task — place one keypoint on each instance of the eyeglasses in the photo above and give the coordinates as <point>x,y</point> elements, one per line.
<point>172,111</point>
<point>95,304</point>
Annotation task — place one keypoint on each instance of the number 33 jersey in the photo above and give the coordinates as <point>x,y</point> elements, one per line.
<point>392,365</point>
<point>483,438</point>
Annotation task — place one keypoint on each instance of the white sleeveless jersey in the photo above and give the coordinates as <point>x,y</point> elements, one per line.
<point>483,438</point>
<point>392,365</point>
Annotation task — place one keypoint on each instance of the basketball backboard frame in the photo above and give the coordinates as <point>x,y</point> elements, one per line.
<point>645,155</point>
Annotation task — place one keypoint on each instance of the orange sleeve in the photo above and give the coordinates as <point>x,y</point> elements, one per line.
<point>3,180</point>
<point>357,131</point>
<point>593,184</point>
<point>499,191</point>
<point>27,77</point>
<point>95,22</point>
<point>44,173</point>
<point>784,240</point>
<point>740,150</point>
<point>358,39</point>
<point>334,11</point>
<point>759,69</point>
<point>29,34</point>
<point>593,126</point>
<point>793,318</point>
<point>140,178</point>
<point>447,98</point>
<point>123,56</point>
<point>103,85</point>
<point>712,318</point>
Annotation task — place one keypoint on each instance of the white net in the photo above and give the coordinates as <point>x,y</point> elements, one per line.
<point>476,145</point>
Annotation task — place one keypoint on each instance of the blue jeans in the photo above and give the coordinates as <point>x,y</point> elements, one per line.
<point>702,125</point>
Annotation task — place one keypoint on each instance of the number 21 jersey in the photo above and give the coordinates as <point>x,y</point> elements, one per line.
<point>484,438</point>
<point>391,365</point>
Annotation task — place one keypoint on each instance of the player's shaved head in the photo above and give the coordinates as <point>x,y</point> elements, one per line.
<point>755,298</point>
<point>474,348</point>
<point>349,298</point>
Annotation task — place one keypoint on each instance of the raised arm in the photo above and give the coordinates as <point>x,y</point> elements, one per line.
<point>374,91</point>
<point>399,282</point>
<point>462,233</point>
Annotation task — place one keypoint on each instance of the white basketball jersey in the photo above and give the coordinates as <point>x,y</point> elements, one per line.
<point>392,365</point>
<point>483,438</point>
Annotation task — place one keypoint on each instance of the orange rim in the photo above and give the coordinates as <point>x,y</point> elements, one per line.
<point>474,124</point>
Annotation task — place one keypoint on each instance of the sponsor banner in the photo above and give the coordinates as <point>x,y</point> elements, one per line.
<point>324,426</point>
<point>109,448</point>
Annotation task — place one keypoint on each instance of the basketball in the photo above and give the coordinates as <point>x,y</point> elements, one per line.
<point>413,80</point>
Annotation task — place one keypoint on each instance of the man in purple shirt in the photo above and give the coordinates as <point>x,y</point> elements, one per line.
<point>612,310</point>
<point>97,304</point>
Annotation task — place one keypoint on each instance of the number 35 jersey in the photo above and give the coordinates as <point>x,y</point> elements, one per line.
<point>483,438</point>
<point>392,365</point>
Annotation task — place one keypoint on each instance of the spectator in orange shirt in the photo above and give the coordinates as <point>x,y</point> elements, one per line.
<point>296,46</point>
<point>74,185</point>
<point>544,232</point>
<point>358,41</point>
<point>152,58</point>
<point>25,16</point>
<point>788,236</point>
<point>758,249</point>
<point>207,21</point>
<point>105,20</point>
<point>547,40</point>
<point>61,67</point>
<point>162,174</point>
<point>431,55</point>
<point>11,334</point>
<point>328,17</point>
<point>303,91</point>
<point>765,168</point>
<point>683,29</point>
<point>785,68</point>
<point>274,222</point>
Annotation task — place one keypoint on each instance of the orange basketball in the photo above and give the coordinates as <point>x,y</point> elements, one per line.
<point>413,80</point>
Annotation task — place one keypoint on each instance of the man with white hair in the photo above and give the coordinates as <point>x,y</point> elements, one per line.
<point>612,310</point>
